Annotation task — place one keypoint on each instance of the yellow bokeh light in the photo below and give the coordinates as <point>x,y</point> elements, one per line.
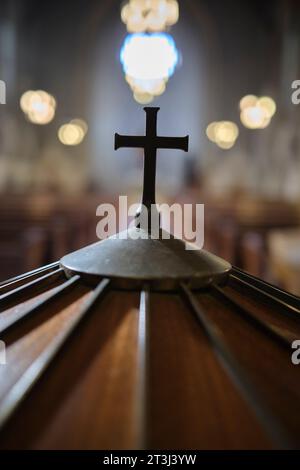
<point>210,131</point>
<point>143,98</point>
<point>253,117</point>
<point>159,88</point>
<point>248,101</point>
<point>155,23</point>
<point>265,122</point>
<point>39,106</point>
<point>138,4</point>
<point>173,12</point>
<point>268,104</point>
<point>130,80</point>
<point>125,12</point>
<point>256,113</point>
<point>154,87</point>
<point>70,134</point>
<point>222,133</point>
<point>25,100</point>
<point>81,123</point>
<point>225,145</point>
<point>41,114</point>
<point>149,15</point>
<point>226,131</point>
<point>136,24</point>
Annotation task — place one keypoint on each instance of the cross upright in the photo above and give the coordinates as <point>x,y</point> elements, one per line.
<point>150,143</point>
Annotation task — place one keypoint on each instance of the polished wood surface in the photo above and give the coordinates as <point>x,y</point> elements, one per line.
<point>141,371</point>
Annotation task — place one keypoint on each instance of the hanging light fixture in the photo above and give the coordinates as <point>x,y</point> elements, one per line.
<point>223,134</point>
<point>148,61</point>
<point>39,106</point>
<point>256,113</point>
<point>149,15</point>
<point>73,132</point>
<point>149,55</point>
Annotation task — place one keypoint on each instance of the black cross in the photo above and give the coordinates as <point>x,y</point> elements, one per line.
<point>150,143</point>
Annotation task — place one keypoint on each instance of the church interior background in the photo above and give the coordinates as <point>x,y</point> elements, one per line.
<point>67,85</point>
<point>227,50</point>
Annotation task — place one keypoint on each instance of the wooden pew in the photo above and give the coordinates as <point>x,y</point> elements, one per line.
<point>21,250</point>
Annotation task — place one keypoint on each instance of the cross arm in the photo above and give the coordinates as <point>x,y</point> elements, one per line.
<point>180,143</point>
<point>124,141</point>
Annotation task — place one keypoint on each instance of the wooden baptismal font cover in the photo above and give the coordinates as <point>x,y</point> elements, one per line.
<point>138,343</point>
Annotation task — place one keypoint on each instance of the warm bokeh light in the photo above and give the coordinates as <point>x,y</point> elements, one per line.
<point>81,123</point>
<point>149,15</point>
<point>39,106</point>
<point>25,100</point>
<point>225,145</point>
<point>210,131</point>
<point>247,101</point>
<point>268,104</point>
<point>256,113</point>
<point>152,87</point>
<point>73,133</point>
<point>223,133</point>
<point>143,98</point>
<point>255,117</point>
<point>149,56</point>
<point>148,61</point>
<point>226,131</point>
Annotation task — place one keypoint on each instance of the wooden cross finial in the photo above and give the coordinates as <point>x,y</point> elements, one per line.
<point>150,143</point>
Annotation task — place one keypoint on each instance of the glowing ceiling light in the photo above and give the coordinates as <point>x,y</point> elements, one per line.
<point>247,101</point>
<point>149,15</point>
<point>256,113</point>
<point>210,131</point>
<point>149,56</point>
<point>225,145</point>
<point>143,98</point>
<point>268,104</point>
<point>148,61</point>
<point>73,133</point>
<point>70,134</point>
<point>25,100</point>
<point>153,87</point>
<point>253,117</point>
<point>39,106</point>
<point>173,12</point>
<point>42,114</point>
<point>226,131</point>
<point>223,133</point>
<point>81,123</point>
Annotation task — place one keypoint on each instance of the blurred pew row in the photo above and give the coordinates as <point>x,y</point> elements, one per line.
<point>260,236</point>
<point>39,229</point>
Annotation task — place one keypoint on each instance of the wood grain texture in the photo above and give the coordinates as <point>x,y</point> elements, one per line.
<point>87,400</point>
<point>191,401</point>
<point>267,363</point>
<point>140,372</point>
